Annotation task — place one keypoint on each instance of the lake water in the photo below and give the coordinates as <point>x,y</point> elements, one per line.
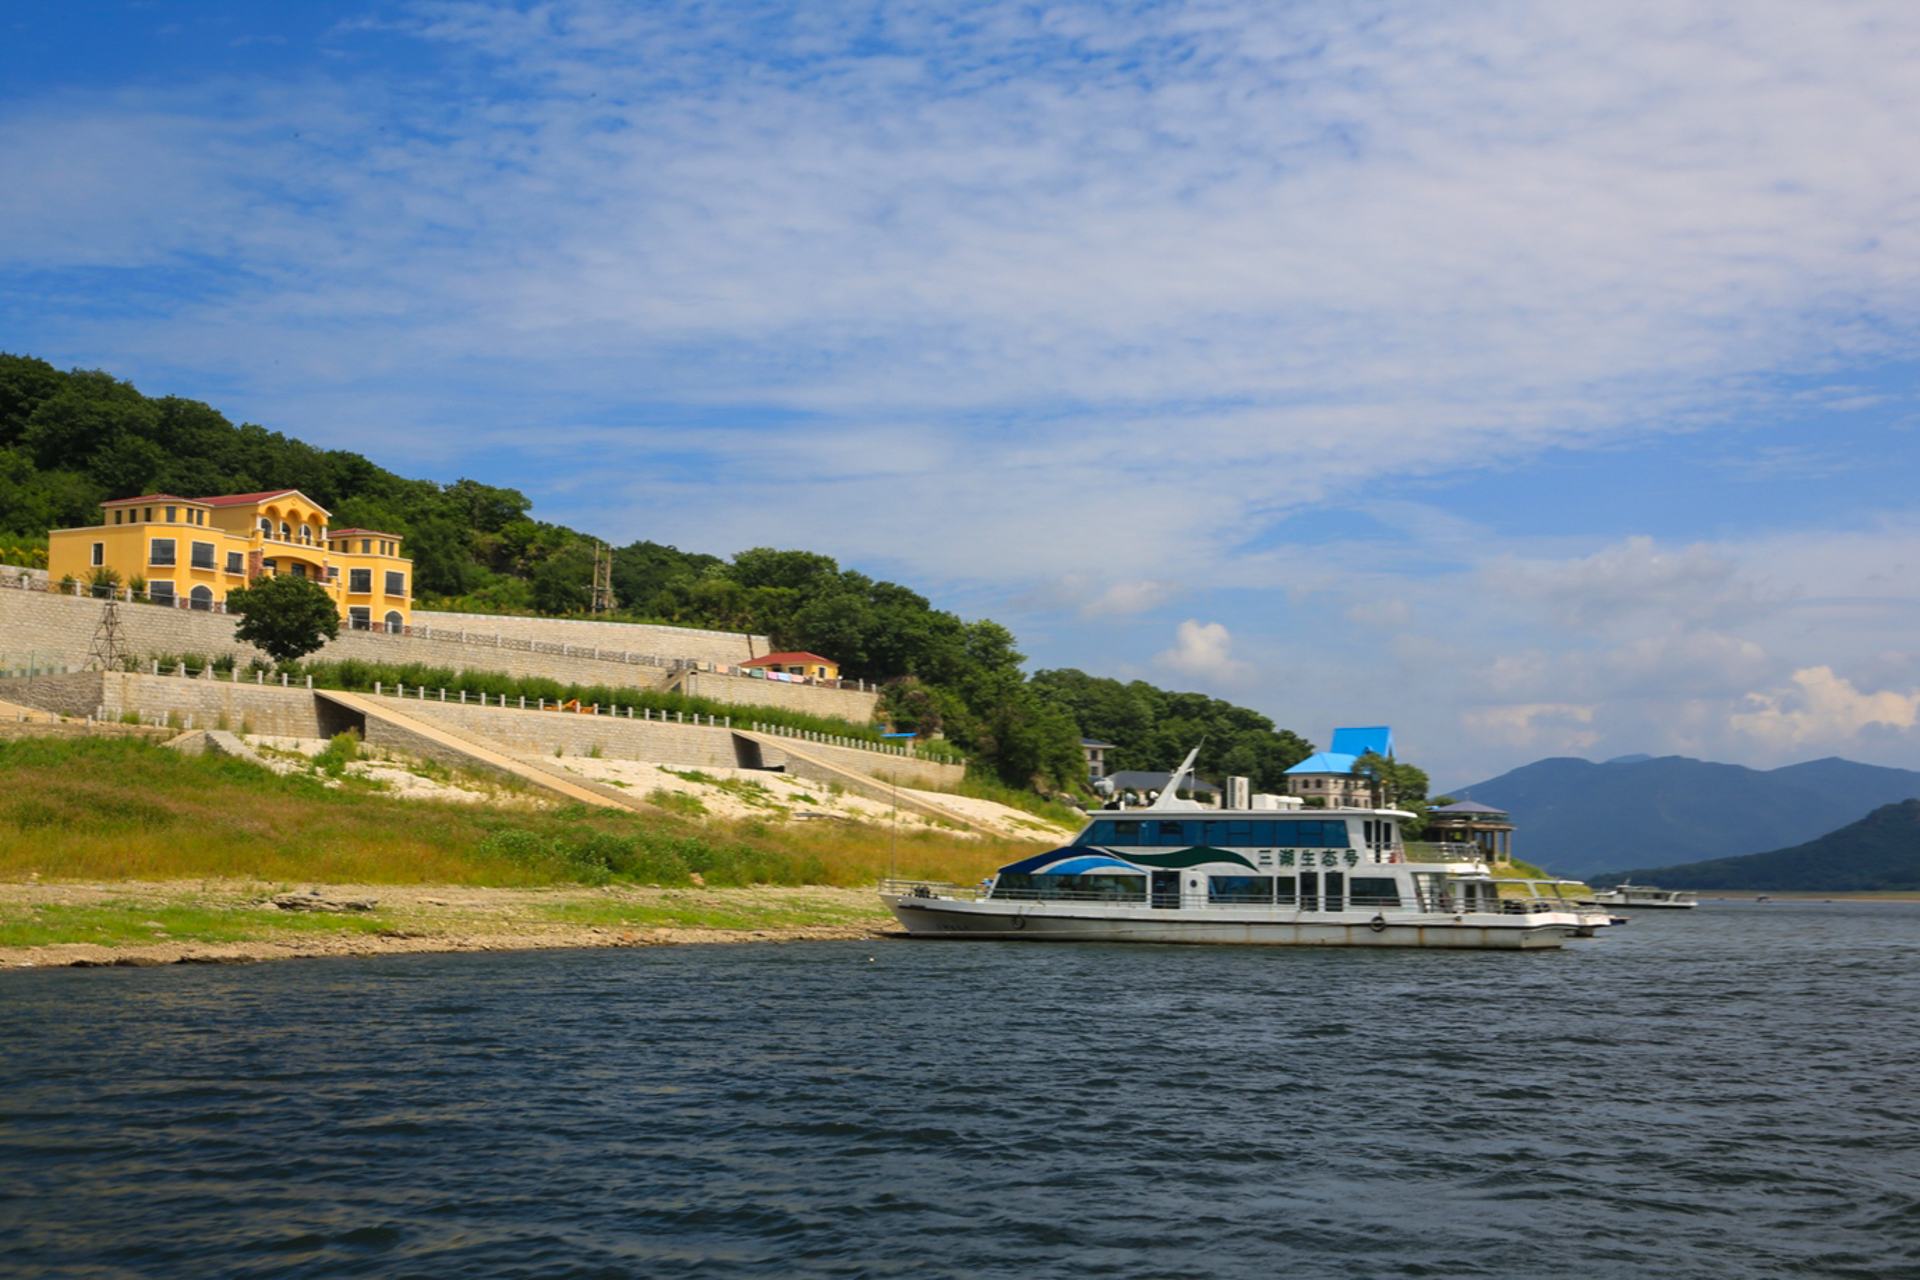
<point>1729,1092</point>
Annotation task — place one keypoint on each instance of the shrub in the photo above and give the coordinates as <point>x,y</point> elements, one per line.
<point>342,751</point>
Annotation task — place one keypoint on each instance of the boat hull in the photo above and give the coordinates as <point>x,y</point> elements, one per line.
<point>957,920</point>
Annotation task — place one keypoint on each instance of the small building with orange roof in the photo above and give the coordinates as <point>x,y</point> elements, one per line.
<point>810,665</point>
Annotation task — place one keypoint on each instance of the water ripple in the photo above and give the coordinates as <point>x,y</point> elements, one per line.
<point>1725,1094</point>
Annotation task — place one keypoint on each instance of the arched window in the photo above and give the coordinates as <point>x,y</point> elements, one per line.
<point>394,621</point>
<point>286,532</point>
<point>306,534</point>
<point>201,598</point>
<point>266,527</point>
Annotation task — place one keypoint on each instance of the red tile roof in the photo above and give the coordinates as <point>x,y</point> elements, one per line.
<point>359,533</point>
<point>789,660</point>
<point>245,499</point>
<point>150,497</point>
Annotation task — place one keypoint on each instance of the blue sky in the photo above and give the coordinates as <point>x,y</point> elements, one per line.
<point>1537,379</point>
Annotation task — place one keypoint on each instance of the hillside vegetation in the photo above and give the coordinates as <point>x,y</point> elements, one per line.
<point>71,440</point>
<point>1878,854</point>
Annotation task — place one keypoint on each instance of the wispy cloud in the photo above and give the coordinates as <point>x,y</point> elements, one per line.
<point>1071,303</point>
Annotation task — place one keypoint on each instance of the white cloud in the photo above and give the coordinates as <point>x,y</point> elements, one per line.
<point>1204,651</point>
<point>1552,728</point>
<point>1624,583</point>
<point>1822,708</point>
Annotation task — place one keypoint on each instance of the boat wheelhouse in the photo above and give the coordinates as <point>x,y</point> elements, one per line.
<point>1175,872</point>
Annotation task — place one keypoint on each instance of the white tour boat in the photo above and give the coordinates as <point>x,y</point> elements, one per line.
<point>1176,871</point>
<point>1631,896</point>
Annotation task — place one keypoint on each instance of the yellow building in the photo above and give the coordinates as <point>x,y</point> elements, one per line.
<point>193,551</point>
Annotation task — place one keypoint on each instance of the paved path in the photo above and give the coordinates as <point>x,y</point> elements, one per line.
<point>822,770</point>
<point>28,715</point>
<point>486,753</point>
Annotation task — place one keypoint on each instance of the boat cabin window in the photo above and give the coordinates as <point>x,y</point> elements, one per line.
<point>1240,889</point>
<point>1373,891</point>
<point>1308,833</point>
<point>1106,887</point>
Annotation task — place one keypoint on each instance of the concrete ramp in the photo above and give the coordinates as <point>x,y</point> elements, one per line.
<point>388,725</point>
<point>26,715</point>
<point>815,769</point>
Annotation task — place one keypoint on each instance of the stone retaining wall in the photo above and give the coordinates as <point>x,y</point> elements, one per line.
<point>192,704</point>
<point>294,711</point>
<point>52,630</point>
<point>726,648</point>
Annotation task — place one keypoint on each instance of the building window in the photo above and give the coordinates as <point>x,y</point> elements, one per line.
<point>160,592</point>
<point>161,553</point>
<point>99,554</point>
<point>286,532</point>
<point>203,556</point>
<point>306,534</point>
<point>170,515</point>
<point>149,518</point>
<point>396,584</point>
<point>236,562</point>
<point>201,598</point>
<point>366,546</point>
<point>395,623</point>
<point>299,570</point>
<point>333,573</point>
<point>117,514</point>
<point>266,527</point>
<point>360,581</point>
<point>359,620</point>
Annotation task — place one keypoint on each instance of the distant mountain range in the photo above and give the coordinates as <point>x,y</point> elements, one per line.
<point>1579,818</point>
<point>1881,852</point>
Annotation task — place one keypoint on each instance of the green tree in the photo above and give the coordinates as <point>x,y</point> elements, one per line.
<point>285,617</point>
<point>1396,786</point>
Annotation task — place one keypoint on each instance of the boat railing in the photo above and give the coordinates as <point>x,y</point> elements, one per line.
<point>1443,851</point>
<point>933,889</point>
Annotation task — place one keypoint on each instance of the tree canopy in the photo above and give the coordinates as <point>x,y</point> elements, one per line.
<point>284,617</point>
<point>1153,729</point>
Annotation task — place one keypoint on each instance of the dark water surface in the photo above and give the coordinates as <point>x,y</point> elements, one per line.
<point>1729,1092</point>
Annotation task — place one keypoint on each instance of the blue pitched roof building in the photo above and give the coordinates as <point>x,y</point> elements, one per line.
<point>1329,774</point>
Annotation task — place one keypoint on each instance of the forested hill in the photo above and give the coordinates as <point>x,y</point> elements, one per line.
<point>71,440</point>
<point>1879,853</point>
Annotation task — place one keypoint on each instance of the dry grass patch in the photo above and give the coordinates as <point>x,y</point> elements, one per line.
<point>107,809</point>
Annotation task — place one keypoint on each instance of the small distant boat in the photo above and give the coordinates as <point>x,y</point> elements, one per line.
<point>1630,897</point>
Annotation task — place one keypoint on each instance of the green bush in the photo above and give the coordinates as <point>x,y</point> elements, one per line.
<point>342,751</point>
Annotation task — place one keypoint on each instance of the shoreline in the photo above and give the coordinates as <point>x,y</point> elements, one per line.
<point>149,924</point>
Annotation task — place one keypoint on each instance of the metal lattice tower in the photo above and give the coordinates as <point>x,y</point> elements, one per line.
<point>109,641</point>
<point>602,578</point>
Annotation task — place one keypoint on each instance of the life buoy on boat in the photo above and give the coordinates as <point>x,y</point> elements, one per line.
<point>1378,924</point>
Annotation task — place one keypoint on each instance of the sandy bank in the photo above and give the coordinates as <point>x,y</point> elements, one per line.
<point>235,922</point>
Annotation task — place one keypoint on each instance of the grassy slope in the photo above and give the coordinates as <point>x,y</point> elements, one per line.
<point>105,809</point>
